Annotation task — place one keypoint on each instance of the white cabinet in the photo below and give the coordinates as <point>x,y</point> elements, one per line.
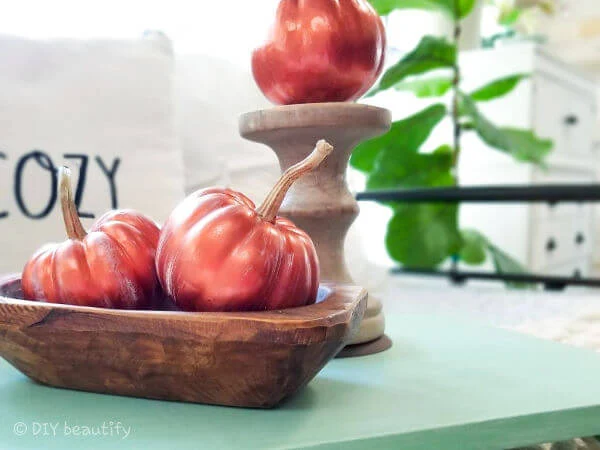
<point>557,103</point>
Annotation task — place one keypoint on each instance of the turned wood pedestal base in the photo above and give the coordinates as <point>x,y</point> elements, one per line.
<point>320,202</point>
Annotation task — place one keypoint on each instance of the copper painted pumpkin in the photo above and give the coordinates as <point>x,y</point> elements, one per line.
<point>320,51</point>
<point>110,266</point>
<point>217,252</point>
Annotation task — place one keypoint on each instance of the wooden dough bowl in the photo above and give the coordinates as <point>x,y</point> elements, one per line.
<point>252,359</point>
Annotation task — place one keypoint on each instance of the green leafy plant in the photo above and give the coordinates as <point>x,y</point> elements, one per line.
<point>424,235</point>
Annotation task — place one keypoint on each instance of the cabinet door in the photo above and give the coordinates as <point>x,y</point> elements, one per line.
<point>562,175</point>
<point>577,268</point>
<point>563,232</point>
<point>564,114</point>
<point>553,243</point>
<point>579,125</point>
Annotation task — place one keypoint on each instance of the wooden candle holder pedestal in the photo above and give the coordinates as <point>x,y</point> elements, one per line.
<point>320,202</point>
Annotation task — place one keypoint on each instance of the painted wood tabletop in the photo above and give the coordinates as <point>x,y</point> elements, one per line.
<point>447,383</point>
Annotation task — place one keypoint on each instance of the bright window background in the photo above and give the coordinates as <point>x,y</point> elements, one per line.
<point>223,29</point>
<point>228,29</point>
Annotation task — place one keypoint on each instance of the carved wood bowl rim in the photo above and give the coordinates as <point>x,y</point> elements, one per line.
<point>336,305</point>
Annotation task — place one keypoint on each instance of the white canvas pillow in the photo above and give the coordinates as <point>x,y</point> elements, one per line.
<point>103,107</point>
<point>211,95</point>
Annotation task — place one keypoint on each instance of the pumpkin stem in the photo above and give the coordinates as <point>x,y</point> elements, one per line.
<point>270,206</point>
<point>73,225</point>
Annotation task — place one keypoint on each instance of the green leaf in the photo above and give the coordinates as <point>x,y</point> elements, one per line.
<point>497,88</point>
<point>504,263</point>
<point>429,87</point>
<point>405,168</point>
<point>419,235</point>
<point>486,129</point>
<point>526,146</point>
<point>523,145</point>
<point>409,133</point>
<point>509,17</point>
<point>423,235</point>
<point>431,53</point>
<point>462,7</point>
<point>473,251</point>
<point>384,7</point>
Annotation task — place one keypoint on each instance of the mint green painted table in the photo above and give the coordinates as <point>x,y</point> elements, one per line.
<point>445,384</point>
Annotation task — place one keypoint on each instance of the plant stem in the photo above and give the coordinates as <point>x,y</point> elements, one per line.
<point>73,224</point>
<point>455,106</point>
<point>270,206</point>
<point>456,93</point>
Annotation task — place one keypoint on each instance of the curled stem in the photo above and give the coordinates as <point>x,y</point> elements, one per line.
<point>270,206</point>
<point>73,224</point>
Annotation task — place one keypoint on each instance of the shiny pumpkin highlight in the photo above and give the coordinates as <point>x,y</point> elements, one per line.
<point>110,266</point>
<point>217,252</point>
<point>320,51</point>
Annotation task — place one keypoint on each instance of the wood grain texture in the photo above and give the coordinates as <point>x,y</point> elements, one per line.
<point>253,359</point>
<point>320,202</point>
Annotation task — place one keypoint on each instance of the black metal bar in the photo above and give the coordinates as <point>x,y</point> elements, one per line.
<point>551,194</point>
<point>554,193</point>
<point>550,282</point>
